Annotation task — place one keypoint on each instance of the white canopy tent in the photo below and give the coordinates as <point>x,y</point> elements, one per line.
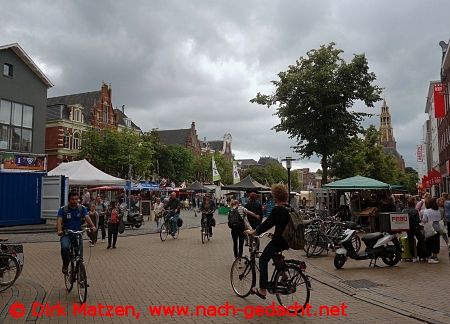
<point>82,173</point>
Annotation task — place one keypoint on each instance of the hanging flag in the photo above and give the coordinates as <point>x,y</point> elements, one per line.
<point>236,177</point>
<point>419,153</point>
<point>215,172</point>
<point>439,101</point>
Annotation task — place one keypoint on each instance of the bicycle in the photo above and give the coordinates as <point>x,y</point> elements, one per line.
<point>9,268</point>
<point>205,229</point>
<point>288,278</point>
<point>77,269</point>
<point>166,227</point>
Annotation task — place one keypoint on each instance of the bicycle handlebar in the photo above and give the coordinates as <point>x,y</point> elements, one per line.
<point>76,232</point>
<point>264,234</point>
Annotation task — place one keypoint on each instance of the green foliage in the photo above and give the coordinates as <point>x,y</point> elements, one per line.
<point>271,174</point>
<point>365,157</point>
<point>313,97</point>
<point>113,152</point>
<point>176,163</point>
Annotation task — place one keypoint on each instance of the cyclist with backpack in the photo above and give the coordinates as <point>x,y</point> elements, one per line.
<point>71,217</point>
<point>279,217</point>
<point>238,223</point>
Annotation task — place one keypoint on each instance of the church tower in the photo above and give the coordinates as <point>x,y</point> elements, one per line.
<point>387,139</point>
<point>386,131</point>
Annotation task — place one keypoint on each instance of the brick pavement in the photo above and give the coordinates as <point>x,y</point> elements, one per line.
<point>415,289</point>
<point>144,271</point>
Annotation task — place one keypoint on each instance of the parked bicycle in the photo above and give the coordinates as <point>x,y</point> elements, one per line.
<point>9,267</point>
<point>166,227</point>
<point>77,269</point>
<point>288,282</point>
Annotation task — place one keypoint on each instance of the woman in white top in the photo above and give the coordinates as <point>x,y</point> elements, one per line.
<point>432,214</point>
<point>158,210</point>
<point>237,234</point>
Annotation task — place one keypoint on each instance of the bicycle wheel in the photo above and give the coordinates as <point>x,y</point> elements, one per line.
<point>82,283</point>
<point>163,232</point>
<point>203,231</point>
<point>9,271</point>
<point>242,277</point>
<point>292,288</point>
<point>68,278</point>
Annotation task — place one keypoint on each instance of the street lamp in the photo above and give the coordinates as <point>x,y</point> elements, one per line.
<point>288,161</point>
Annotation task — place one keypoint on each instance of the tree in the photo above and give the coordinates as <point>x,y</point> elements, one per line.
<point>313,97</point>
<point>176,163</point>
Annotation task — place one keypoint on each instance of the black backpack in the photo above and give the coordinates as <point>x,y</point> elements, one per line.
<point>235,220</point>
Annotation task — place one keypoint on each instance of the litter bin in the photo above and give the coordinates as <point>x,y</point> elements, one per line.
<point>224,210</point>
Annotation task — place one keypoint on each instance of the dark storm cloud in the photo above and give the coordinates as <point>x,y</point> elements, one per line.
<point>174,62</point>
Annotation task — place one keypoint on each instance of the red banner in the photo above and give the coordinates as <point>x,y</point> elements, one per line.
<point>439,101</point>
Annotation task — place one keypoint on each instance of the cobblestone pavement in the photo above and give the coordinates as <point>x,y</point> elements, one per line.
<point>190,220</point>
<point>144,271</point>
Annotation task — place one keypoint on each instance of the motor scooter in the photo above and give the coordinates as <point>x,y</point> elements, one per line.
<point>378,245</point>
<point>132,217</point>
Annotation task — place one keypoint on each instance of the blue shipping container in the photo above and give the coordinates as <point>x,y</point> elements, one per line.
<point>20,198</point>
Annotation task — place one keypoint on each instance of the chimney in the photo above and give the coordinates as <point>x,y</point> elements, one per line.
<point>123,109</point>
<point>193,125</point>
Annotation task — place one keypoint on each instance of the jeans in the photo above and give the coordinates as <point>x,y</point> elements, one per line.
<point>66,241</point>
<point>269,252</point>
<point>113,231</point>
<point>238,238</point>
<point>208,222</point>
<point>101,226</point>
<point>173,217</point>
<point>420,243</point>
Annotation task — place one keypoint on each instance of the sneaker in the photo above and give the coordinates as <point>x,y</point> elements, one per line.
<point>114,247</point>
<point>108,247</point>
<point>91,244</point>
<point>431,260</point>
<point>415,260</point>
<point>65,269</point>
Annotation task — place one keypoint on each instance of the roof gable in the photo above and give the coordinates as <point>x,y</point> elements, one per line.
<point>15,47</point>
<point>174,136</point>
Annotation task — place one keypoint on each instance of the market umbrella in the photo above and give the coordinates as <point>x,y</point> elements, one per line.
<point>247,184</point>
<point>357,183</point>
<point>196,187</point>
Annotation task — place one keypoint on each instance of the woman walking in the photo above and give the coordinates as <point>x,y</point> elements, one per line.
<point>94,218</point>
<point>432,214</point>
<point>113,226</point>
<point>237,232</point>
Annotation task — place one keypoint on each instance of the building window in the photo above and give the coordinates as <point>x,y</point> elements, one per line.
<point>76,141</point>
<point>4,137</point>
<point>8,70</point>
<point>66,141</point>
<point>105,115</point>
<point>16,126</point>
<point>128,123</point>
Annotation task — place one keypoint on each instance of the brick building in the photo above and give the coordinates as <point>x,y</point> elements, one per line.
<point>70,115</point>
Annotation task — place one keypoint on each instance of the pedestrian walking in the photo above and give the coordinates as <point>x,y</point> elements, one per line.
<point>415,231</point>
<point>254,206</point>
<point>158,211</point>
<point>443,229</point>
<point>432,214</point>
<point>100,208</point>
<point>239,226</point>
<point>113,226</point>
<point>93,215</point>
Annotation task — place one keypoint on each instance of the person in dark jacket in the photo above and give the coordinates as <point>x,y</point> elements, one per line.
<point>254,206</point>
<point>415,231</point>
<point>279,217</point>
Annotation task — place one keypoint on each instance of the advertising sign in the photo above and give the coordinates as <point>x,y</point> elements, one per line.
<point>419,153</point>
<point>17,161</point>
<point>399,222</point>
<point>439,101</point>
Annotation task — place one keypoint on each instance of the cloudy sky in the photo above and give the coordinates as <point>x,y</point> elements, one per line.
<point>174,62</point>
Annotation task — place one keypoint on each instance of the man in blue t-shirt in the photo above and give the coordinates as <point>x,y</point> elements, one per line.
<point>71,217</point>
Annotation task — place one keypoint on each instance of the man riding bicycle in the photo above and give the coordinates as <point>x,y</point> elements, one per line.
<point>208,208</point>
<point>174,206</point>
<point>71,217</point>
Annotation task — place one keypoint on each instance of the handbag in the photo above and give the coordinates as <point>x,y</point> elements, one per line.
<point>429,229</point>
<point>442,227</point>
<point>121,228</point>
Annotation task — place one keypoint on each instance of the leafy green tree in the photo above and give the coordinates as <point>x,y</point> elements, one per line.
<point>313,97</point>
<point>176,163</point>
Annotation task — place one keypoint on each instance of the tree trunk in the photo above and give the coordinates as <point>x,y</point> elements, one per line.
<point>324,163</point>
